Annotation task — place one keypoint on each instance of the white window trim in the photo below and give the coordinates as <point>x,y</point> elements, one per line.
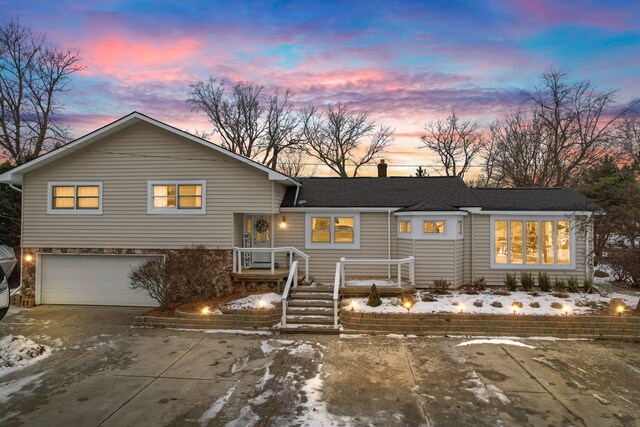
<point>417,227</point>
<point>405,233</point>
<point>308,244</point>
<point>74,211</point>
<point>151,210</point>
<point>539,266</point>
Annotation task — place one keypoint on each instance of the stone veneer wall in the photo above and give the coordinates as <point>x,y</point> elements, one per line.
<point>29,268</point>
<point>592,327</point>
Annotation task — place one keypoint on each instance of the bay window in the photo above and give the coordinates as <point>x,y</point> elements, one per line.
<point>520,242</point>
<point>434,227</point>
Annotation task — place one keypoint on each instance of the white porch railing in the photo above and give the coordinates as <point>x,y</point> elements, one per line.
<point>292,279</point>
<point>336,293</point>
<point>238,258</point>
<point>398,262</point>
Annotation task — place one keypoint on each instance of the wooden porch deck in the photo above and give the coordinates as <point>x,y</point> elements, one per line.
<point>279,276</point>
<point>385,291</point>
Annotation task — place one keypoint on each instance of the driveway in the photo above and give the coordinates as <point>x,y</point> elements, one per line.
<point>104,372</point>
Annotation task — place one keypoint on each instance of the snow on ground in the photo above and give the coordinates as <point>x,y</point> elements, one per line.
<point>445,303</point>
<point>216,406</point>
<point>217,331</point>
<point>499,341</point>
<point>255,302</point>
<point>11,388</point>
<point>484,392</point>
<point>17,352</point>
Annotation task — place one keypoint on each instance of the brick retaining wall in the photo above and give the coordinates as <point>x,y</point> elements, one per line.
<point>595,327</point>
<point>245,319</point>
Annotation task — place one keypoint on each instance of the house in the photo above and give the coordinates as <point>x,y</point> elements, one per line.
<point>138,188</point>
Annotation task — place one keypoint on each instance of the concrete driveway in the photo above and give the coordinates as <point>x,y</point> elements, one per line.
<point>104,372</point>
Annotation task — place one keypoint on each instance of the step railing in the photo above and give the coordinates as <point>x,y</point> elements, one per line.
<point>410,261</point>
<point>239,252</point>
<point>291,279</point>
<point>336,293</point>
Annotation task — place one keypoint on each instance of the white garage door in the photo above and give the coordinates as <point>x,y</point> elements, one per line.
<point>90,279</point>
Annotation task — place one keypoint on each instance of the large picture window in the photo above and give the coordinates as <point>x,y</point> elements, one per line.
<point>520,242</point>
<point>176,197</point>
<point>75,198</point>
<point>332,231</point>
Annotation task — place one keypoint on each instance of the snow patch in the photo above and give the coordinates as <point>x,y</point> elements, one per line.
<point>316,412</point>
<point>16,352</point>
<point>484,392</point>
<point>303,350</point>
<point>398,336</point>
<point>220,331</point>
<point>240,364</point>
<point>11,388</point>
<point>601,399</point>
<point>255,302</point>
<point>498,341</point>
<point>544,362</point>
<point>216,407</point>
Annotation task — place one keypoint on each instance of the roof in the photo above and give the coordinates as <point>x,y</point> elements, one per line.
<point>373,192</point>
<point>430,194</point>
<point>14,176</point>
<point>534,199</point>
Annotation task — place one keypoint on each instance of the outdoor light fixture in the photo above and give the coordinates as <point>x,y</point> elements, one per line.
<point>407,304</point>
<point>353,305</point>
<point>515,308</point>
<point>620,309</point>
<point>283,223</point>
<point>28,257</point>
<point>566,309</point>
<point>461,307</point>
<point>262,304</point>
<point>205,310</point>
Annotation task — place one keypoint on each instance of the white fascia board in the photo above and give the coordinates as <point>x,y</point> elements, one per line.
<point>431,213</point>
<point>14,176</point>
<point>338,209</point>
<point>536,213</point>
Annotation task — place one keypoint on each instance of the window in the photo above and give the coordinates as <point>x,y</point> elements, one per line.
<point>459,227</point>
<point>177,197</point>
<point>336,231</point>
<point>405,226</point>
<point>434,227</point>
<point>532,242</point>
<point>75,198</point>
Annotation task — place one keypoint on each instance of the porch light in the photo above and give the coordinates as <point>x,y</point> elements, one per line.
<point>461,307</point>
<point>407,304</point>
<point>566,309</point>
<point>283,222</point>
<point>28,257</point>
<point>205,310</point>
<point>620,309</point>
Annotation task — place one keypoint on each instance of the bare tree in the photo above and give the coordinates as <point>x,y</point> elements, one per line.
<point>294,162</point>
<point>250,121</point>
<point>33,73</point>
<point>569,127</point>
<point>455,142</point>
<point>627,138</point>
<point>337,138</point>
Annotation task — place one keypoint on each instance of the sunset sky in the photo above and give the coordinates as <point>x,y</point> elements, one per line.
<point>404,62</point>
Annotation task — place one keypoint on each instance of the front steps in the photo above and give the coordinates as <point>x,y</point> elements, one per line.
<point>310,311</point>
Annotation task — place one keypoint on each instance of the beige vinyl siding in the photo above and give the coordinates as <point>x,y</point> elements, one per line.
<point>124,162</point>
<point>373,244</point>
<point>459,262</point>
<point>466,248</point>
<point>482,255</point>
<point>435,259</point>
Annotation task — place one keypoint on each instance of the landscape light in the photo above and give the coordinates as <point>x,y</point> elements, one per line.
<point>566,309</point>
<point>620,309</point>
<point>205,310</point>
<point>262,304</point>
<point>461,307</point>
<point>515,308</point>
<point>407,304</point>
<point>353,305</point>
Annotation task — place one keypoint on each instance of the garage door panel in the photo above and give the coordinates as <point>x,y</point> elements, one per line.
<point>90,279</point>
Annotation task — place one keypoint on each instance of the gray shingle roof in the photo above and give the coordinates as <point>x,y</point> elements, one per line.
<point>430,194</point>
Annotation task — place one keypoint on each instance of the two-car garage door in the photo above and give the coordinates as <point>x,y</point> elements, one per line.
<point>89,279</point>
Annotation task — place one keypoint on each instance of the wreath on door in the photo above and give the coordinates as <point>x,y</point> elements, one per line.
<point>262,225</point>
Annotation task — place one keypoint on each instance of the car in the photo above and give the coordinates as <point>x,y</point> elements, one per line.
<point>4,294</point>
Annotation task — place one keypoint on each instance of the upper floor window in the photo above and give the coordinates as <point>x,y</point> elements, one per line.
<point>74,198</point>
<point>176,197</point>
<point>405,226</point>
<point>332,231</point>
<point>520,242</point>
<point>434,227</point>
<point>459,228</point>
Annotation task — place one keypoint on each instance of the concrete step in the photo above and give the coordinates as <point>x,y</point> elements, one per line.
<point>325,289</point>
<point>312,295</point>
<point>323,311</point>
<point>309,303</point>
<point>311,319</point>
<point>310,329</point>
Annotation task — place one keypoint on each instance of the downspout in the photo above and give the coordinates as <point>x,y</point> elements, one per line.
<point>15,188</point>
<point>471,244</point>
<point>295,199</point>
<point>389,242</point>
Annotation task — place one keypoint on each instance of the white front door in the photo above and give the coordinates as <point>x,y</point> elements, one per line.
<point>259,227</point>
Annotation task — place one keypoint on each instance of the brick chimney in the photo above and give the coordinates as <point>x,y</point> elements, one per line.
<point>382,169</point>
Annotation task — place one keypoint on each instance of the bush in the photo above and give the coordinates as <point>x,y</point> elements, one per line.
<point>625,265</point>
<point>478,286</point>
<point>197,272</point>
<point>374,297</point>
<point>526,279</point>
<point>511,282</point>
<point>559,285</point>
<point>441,286</point>
<point>587,286</point>
<point>573,285</point>
<point>544,281</point>
<point>150,276</point>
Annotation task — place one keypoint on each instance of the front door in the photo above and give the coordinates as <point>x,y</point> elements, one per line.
<point>259,228</point>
